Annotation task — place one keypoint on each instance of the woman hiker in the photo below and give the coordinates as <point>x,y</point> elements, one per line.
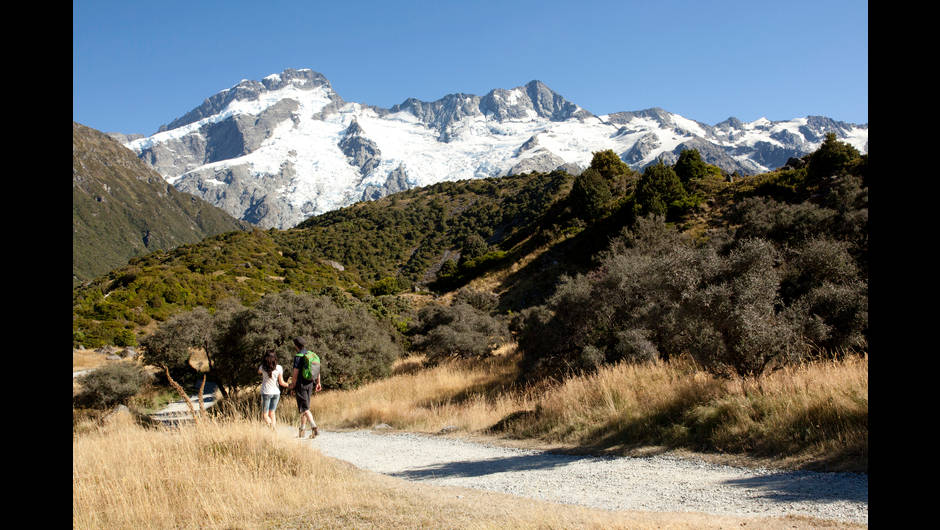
<point>304,387</point>
<point>272,375</point>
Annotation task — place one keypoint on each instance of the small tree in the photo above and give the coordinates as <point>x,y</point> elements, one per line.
<point>474,246</point>
<point>589,194</point>
<point>457,331</point>
<point>608,164</point>
<point>448,268</point>
<point>690,166</point>
<point>385,286</point>
<point>171,345</point>
<point>831,158</point>
<point>617,175</point>
<point>658,190</point>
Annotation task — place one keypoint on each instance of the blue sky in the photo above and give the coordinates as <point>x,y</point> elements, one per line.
<point>138,65</point>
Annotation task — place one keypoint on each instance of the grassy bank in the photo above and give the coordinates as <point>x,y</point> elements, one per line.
<point>811,416</point>
<point>237,474</point>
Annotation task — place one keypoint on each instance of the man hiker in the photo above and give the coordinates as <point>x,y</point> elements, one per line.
<point>306,372</point>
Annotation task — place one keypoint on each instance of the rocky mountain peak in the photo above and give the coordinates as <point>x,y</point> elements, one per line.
<point>303,78</point>
<point>249,90</point>
<point>730,123</point>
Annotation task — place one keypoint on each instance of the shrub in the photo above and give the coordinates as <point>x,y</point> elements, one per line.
<point>448,268</point>
<point>456,331</point>
<point>654,295</point>
<point>779,221</point>
<point>483,301</point>
<point>125,337</point>
<point>473,247</point>
<point>608,164</point>
<point>111,384</point>
<point>833,318</point>
<point>385,286</point>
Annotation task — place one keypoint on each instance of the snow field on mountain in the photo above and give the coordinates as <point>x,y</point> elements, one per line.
<point>314,175</point>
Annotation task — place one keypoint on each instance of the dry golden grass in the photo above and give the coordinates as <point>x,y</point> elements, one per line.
<point>810,415</point>
<point>87,359</point>
<point>237,474</point>
<point>233,473</point>
<point>813,416</point>
<point>469,395</point>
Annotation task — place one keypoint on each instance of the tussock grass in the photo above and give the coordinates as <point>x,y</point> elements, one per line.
<point>469,395</point>
<point>238,474</point>
<point>814,413</point>
<point>812,416</point>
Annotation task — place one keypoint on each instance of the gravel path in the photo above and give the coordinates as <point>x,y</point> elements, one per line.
<point>658,483</point>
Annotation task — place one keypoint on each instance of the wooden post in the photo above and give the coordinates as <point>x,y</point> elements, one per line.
<point>182,393</point>
<point>202,408</point>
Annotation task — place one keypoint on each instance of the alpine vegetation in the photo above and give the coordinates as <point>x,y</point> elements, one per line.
<point>783,278</point>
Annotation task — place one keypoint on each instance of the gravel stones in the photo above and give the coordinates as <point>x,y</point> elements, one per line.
<point>657,483</point>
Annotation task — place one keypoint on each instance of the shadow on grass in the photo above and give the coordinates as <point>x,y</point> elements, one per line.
<point>499,385</point>
<point>832,447</point>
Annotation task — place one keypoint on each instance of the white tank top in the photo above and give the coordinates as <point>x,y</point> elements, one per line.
<point>269,384</point>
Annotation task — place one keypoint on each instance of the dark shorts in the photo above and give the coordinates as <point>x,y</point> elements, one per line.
<point>302,393</point>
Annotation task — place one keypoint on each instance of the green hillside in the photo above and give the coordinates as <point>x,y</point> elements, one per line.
<point>122,208</point>
<point>381,247</point>
<point>540,243</point>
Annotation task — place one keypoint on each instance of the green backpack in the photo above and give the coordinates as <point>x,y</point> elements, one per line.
<point>310,367</point>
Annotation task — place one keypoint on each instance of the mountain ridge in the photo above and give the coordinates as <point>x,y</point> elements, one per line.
<point>122,208</point>
<point>277,151</point>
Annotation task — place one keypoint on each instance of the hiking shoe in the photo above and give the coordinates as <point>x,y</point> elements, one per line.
<point>314,433</point>
<point>300,432</point>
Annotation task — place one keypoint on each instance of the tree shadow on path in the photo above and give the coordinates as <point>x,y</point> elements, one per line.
<point>490,466</point>
<point>807,486</point>
<point>797,486</point>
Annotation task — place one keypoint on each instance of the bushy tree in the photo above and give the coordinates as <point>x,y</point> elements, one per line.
<point>608,165</point>
<point>617,175</point>
<point>659,190</point>
<point>385,286</point>
<point>170,346</point>
<point>457,331</point>
<point>448,268</point>
<point>353,345</point>
<point>473,247</point>
<point>690,166</point>
<point>832,158</point>
<point>589,194</point>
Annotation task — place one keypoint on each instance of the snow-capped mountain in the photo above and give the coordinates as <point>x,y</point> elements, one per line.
<point>276,151</point>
